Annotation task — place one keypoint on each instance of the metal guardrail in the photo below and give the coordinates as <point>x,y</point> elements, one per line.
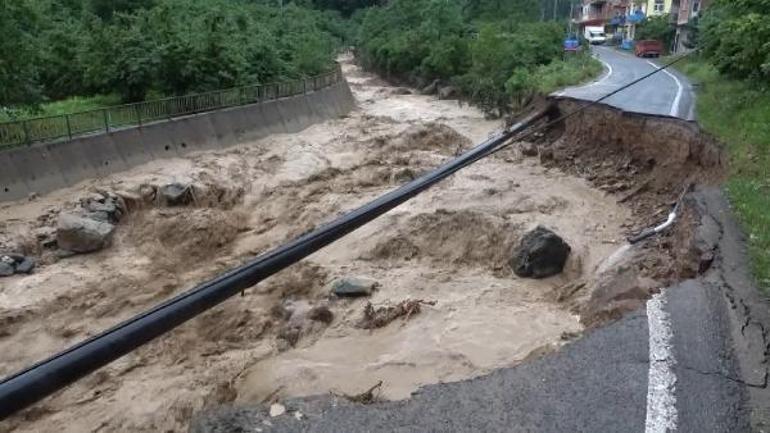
<point>103,120</point>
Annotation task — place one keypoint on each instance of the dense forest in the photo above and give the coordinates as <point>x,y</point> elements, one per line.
<point>735,36</point>
<point>129,50</point>
<point>52,49</point>
<point>498,54</point>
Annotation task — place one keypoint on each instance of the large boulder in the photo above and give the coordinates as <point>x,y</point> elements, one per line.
<point>6,269</point>
<point>12,263</point>
<point>540,254</point>
<point>176,194</point>
<point>80,234</point>
<point>103,206</point>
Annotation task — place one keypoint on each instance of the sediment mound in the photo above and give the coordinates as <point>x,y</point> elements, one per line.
<point>430,136</point>
<point>466,238</point>
<point>185,235</point>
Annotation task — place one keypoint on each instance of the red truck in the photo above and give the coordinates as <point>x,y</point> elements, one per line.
<point>648,48</point>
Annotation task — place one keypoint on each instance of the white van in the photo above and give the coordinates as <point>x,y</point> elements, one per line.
<point>595,35</point>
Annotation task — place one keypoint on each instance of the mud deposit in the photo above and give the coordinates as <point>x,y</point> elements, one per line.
<point>287,336</point>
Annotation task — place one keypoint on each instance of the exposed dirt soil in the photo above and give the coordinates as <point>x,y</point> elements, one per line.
<point>287,336</point>
<point>647,163</point>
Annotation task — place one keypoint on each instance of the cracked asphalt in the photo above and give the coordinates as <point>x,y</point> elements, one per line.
<point>598,383</point>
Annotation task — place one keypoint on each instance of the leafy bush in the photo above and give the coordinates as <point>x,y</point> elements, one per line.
<point>132,47</point>
<point>735,37</point>
<point>414,38</point>
<point>493,62</point>
<point>561,73</point>
<point>737,112</point>
<point>657,28</point>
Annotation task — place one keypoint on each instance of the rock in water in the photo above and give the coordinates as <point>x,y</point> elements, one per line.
<point>176,194</point>
<point>25,266</point>
<point>6,269</point>
<point>351,287</point>
<point>277,409</point>
<point>82,235</point>
<point>540,254</point>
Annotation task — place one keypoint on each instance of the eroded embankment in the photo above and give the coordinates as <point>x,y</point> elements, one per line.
<point>647,163</point>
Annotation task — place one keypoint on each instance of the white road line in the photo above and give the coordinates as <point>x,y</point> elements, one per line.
<point>599,81</point>
<point>609,71</point>
<point>661,382</point>
<point>675,105</point>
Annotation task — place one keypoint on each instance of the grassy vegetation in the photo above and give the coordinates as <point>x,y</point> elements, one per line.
<point>738,113</point>
<point>562,73</point>
<point>497,54</point>
<point>72,104</point>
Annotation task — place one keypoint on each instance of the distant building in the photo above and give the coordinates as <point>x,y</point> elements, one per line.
<point>687,12</point>
<point>659,7</point>
<point>608,13</point>
<point>620,17</point>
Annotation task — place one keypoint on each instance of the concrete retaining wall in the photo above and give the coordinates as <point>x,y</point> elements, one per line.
<point>42,168</point>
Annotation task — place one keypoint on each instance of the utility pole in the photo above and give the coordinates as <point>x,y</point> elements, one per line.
<point>555,6</point>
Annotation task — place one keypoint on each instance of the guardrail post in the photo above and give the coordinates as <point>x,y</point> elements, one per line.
<point>69,128</point>
<point>106,121</point>
<point>138,115</point>
<point>304,86</point>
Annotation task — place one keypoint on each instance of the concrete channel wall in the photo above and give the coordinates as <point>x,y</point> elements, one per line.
<point>44,167</point>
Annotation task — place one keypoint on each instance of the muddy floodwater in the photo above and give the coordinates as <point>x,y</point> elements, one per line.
<point>450,245</point>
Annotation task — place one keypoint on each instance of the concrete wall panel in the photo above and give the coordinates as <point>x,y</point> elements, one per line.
<point>43,168</point>
<point>40,169</point>
<point>130,145</point>
<point>272,117</point>
<point>13,184</point>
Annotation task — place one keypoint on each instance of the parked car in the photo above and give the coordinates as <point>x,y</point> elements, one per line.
<point>595,35</point>
<point>571,44</point>
<point>648,48</point>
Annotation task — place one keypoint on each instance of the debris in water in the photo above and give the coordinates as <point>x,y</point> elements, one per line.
<point>177,194</point>
<point>366,397</point>
<point>277,409</point>
<point>381,316</point>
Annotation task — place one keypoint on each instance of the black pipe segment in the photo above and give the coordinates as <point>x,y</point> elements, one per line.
<point>32,384</point>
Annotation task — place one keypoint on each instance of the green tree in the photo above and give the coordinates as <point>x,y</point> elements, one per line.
<point>18,54</point>
<point>657,28</point>
<point>735,37</point>
<point>105,9</point>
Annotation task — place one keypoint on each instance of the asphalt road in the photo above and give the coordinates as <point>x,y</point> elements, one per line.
<point>693,360</point>
<point>667,93</point>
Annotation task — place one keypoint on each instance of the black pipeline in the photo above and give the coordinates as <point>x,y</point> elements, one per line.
<point>46,377</point>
